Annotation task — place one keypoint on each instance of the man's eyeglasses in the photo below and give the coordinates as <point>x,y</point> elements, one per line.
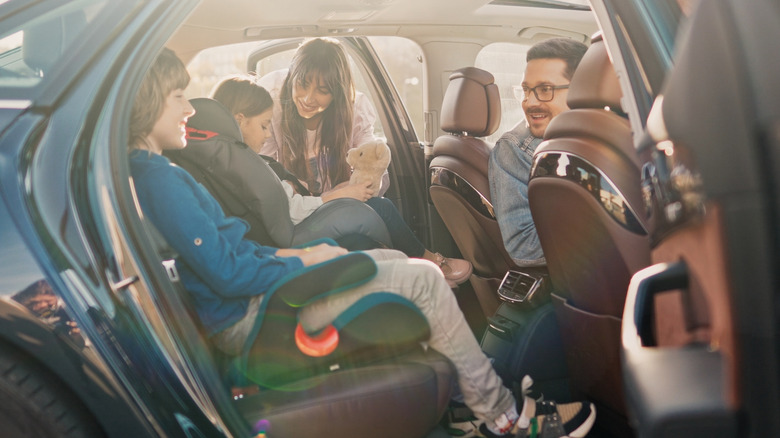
<point>543,93</point>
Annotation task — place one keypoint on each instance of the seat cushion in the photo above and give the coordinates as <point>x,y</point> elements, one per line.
<point>403,397</point>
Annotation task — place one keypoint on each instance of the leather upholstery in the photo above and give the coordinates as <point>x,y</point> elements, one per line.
<point>586,201</point>
<point>471,103</point>
<point>402,397</point>
<point>459,178</point>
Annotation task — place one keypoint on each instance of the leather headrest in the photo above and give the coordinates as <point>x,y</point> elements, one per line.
<point>471,103</point>
<point>45,43</point>
<point>211,117</point>
<point>595,83</point>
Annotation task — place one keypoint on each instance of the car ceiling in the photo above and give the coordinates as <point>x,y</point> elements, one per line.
<point>219,22</point>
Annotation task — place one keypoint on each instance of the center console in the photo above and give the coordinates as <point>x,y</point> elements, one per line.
<point>523,337</point>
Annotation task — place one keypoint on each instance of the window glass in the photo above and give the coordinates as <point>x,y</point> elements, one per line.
<point>27,52</point>
<point>210,66</point>
<point>401,57</point>
<point>506,61</point>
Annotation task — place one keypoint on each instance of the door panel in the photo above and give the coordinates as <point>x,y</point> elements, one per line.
<point>700,326</point>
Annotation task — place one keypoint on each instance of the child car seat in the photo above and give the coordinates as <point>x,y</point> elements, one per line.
<point>246,186</point>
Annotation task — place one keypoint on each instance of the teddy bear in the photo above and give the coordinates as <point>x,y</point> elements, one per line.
<point>369,162</point>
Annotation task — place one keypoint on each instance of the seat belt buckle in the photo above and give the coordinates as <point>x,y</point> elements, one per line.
<point>170,269</point>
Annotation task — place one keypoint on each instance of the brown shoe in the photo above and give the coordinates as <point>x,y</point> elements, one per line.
<point>456,271</point>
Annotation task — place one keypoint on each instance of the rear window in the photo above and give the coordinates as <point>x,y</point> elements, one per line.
<point>507,63</point>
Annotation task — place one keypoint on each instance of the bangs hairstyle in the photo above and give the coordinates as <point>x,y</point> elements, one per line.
<point>167,73</point>
<point>241,95</point>
<point>320,59</point>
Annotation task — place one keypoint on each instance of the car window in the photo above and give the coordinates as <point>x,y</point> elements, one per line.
<point>401,57</point>
<point>506,61</point>
<point>27,54</point>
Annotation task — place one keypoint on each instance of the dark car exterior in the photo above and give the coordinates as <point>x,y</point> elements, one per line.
<point>76,358</point>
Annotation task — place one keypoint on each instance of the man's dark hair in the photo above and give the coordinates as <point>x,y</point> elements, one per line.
<point>559,48</point>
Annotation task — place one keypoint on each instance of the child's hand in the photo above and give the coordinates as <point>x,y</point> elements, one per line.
<point>360,191</point>
<point>313,254</point>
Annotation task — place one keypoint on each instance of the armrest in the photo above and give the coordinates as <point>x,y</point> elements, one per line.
<point>314,242</point>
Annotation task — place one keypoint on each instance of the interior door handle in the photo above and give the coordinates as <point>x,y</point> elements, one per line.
<point>671,392</point>
<point>639,310</point>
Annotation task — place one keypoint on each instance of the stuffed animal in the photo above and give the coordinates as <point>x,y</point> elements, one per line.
<point>369,162</point>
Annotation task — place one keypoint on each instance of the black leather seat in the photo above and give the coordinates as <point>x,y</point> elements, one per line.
<point>459,179</point>
<point>586,201</point>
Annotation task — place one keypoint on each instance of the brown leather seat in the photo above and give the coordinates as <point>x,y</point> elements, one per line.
<point>586,201</point>
<point>459,178</point>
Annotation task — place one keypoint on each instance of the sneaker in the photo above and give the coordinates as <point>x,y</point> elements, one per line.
<point>547,419</point>
<point>459,421</point>
<point>456,271</point>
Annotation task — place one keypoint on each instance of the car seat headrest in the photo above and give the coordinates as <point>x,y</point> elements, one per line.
<point>471,103</point>
<point>211,118</point>
<point>45,43</point>
<point>595,83</point>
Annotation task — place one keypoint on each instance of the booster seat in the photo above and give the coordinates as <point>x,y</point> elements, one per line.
<point>356,383</point>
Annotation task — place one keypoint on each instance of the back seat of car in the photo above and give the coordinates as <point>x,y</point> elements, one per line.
<point>393,395</point>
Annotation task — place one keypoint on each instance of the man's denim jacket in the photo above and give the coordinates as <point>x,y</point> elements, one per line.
<point>509,169</point>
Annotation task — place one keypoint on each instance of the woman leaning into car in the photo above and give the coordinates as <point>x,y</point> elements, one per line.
<point>318,117</point>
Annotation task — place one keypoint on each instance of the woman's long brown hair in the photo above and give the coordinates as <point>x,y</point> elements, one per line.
<point>322,58</point>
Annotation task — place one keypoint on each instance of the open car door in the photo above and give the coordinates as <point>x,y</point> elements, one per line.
<point>700,328</point>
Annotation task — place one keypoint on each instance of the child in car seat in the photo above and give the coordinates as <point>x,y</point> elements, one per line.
<point>252,107</point>
<point>227,275</point>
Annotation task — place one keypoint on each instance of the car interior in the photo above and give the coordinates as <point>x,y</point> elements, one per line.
<point>594,235</point>
<point>459,189</point>
<point>527,337</point>
<point>654,198</point>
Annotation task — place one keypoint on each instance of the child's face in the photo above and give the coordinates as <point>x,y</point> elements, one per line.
<point>169,130</point>
<point>311,97</point>
<point>255,129</point>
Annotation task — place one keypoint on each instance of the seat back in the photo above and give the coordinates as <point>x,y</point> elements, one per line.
<point>585,198</point>
<point>459,178</point>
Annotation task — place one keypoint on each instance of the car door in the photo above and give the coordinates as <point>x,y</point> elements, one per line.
<point>700,325</point>
<point>68,75</point>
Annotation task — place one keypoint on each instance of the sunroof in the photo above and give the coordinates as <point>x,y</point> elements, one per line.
<point>576,5</point>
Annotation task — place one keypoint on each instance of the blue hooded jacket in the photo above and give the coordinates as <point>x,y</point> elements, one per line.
<point>218,267</point>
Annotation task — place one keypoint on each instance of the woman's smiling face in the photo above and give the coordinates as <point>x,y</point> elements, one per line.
<point>311,97</point>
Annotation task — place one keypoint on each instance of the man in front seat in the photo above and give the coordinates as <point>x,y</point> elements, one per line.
<point>550,66</point>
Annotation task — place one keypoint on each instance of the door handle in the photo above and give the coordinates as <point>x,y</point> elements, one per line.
<point>638,314</point>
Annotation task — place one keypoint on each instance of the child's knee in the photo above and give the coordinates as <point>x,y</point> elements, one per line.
<point>385,254</point>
